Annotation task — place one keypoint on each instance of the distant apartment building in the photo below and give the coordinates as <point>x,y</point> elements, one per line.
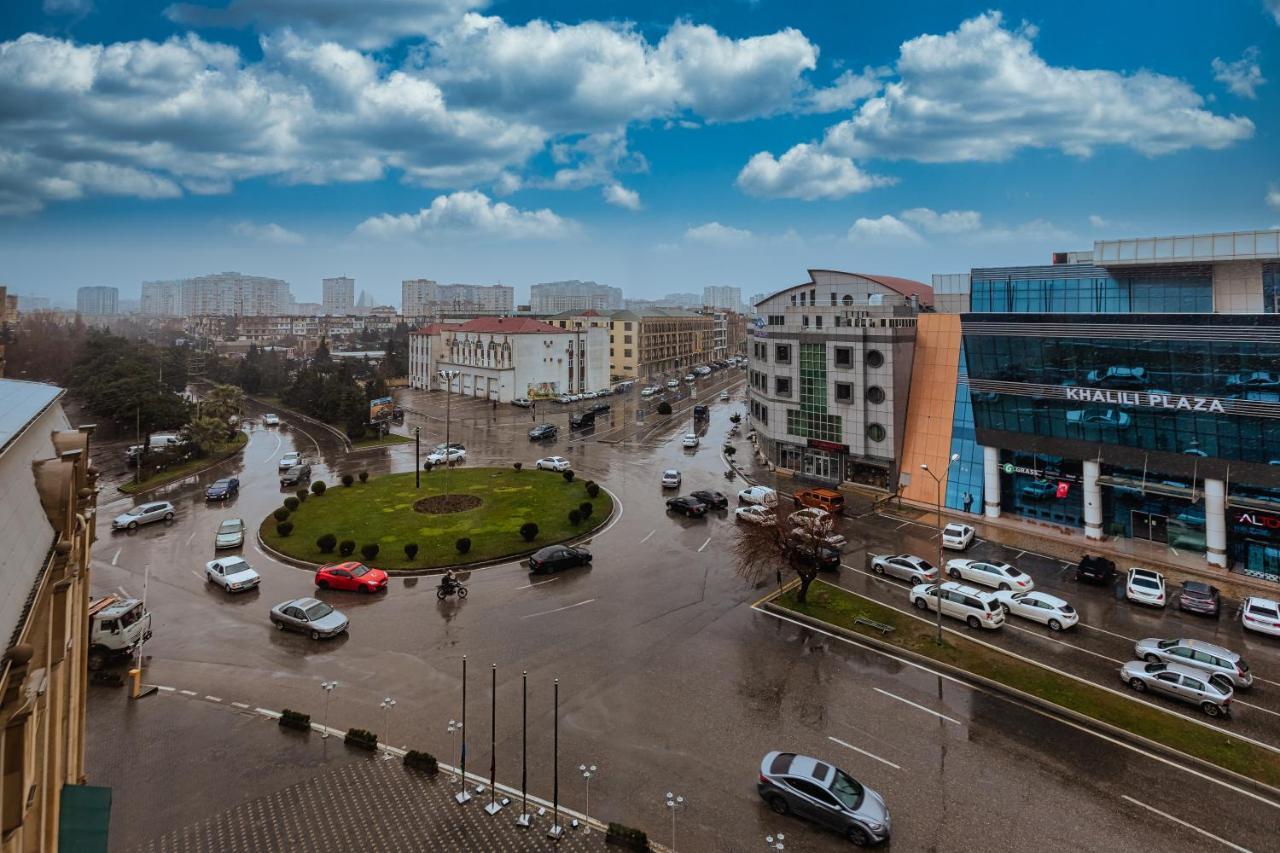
<point>8,306</point>
<point>692,301</point>
<point>33,304</point>
<point>723,298</point>
<point>338,296</point>
<point>162,298</point>
<point>728,334</point>
<point>233,294</point>
<point>98,301</point>
<point>422,298</point>
<point>557,296</point>
<point>651,342</point>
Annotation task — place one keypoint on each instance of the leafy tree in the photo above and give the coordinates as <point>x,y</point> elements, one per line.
<point>664,408</point>
<point>207,434</point>
<point>223,402</point>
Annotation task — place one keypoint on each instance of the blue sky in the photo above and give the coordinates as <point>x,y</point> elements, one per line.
<point>657,146</point>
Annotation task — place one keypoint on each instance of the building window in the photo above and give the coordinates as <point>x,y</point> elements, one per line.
<point>875,358</point>
<point>875,432</point>
<point>817,321</point>
<point>875,394</point>
<point>844,357</point>
<point>804,321</point>
<point>611,339</point>
<point>626,327</point>
<point>626,339</point>
<point>844,392</point>
<point>764,415</point>
<point>782,353</point>
<point>833,297</point>
<point>777,319</point>
<point>782,386</point>
<point>626,353</point>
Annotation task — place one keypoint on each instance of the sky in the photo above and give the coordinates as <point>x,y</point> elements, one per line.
<point>655,146</point>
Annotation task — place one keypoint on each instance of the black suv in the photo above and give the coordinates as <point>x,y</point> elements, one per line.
<point>1096,570</point>
<point>583,420</point>
<point>542,432</point>
<point>597,408</point>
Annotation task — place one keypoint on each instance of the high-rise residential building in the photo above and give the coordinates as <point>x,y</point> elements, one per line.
<point>232,294</point>
<point>691,301</point>
<point>417,295</point>
<point>424,298</point>
<point>557,296</point>
<point>364,303</point>
<point>339,296</point>
<point>97,301</point>
<point>30,304</point>
<point>162,298</point>
<point>723,298</point>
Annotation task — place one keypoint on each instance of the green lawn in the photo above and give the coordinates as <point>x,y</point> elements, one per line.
<point>186,469</point>
<point>381,511</point>
<point>840,607</point>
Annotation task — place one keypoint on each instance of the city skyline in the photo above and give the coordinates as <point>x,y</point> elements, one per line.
<point>854,150</point>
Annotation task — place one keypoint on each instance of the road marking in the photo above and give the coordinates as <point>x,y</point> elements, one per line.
<point>240,705</point>
<point>558,609</point>
<point>1085,729</point>
<point>704,545</point>
<point>539,583</point>
<point>914,705</point>
<point>902,525</point>
<point>187,692</point>
<point>646,538</point>
<point>116,556</point>
<point>267,712</point>
<point>1182,822</point>
<point>1008,624</point>
<point>863,752</point>
<point>1020,555</point>
<point>213,698</point>
<point>165,689</point>
<point>192,536</point>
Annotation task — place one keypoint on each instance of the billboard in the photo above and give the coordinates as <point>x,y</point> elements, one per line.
<point>381,409</point>
<point>543,391</point>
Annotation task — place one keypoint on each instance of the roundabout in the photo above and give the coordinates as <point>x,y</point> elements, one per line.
<point>483,517</point>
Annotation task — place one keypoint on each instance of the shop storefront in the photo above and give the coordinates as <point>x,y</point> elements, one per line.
<point>1254,541</point>
<point>1045,488</point>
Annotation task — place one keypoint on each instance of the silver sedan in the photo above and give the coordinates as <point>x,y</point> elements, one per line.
<point>309,615</point>
<point>1212,693</point>
<point>913,570</point>
<point>232,574</point>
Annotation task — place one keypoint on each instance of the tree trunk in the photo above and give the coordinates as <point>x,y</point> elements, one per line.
<point>805,580</point>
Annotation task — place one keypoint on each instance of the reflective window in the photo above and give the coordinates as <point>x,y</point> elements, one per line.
<point>1092,290</point>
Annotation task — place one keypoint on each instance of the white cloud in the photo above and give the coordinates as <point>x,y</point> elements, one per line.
<point>1036,231</point>
<point>364,24</point>
<point>715,234</point>
<point>981,93</point>
<point>1242,77</point>
<point>805,172</point>
<point>1097,221</point>
<point>886,230</point>
<point>469,213</point>
<point>67,7</point>
<point>1273,6</point>
<point>620,196</point>
<point>592,160</point>
<point>951,222</point>
<point>269,232</point>
<point>847,90</point>
<point>1273,192</point>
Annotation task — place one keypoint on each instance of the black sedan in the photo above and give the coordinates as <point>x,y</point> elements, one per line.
<point>227,487</point>
<point>715,500</point>
<point>553,558</point>
<point>597,408</point>
<point>1198,597</point>
<point>542,432</point>
<point>687,506</point>
<point>296,476</point>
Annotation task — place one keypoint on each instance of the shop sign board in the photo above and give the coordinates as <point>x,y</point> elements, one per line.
<point>1143,398</point>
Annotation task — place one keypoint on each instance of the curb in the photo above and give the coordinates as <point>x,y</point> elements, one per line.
<point>1043,705</point>
<point>194,473</point>
<point>337,433</point>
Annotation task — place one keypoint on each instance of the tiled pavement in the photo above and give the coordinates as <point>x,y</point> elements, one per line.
<point>188,775</point>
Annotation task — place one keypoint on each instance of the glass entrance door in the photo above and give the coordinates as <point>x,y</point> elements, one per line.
<point>1150,526</point>
<point>1263,561</point>
<point>820,465</point>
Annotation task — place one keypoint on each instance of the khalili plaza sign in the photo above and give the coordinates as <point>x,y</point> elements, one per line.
<point>1143,398</point>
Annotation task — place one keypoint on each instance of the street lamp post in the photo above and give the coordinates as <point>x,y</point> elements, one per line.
<point>938,483</point>
<point>387,704</point>
<point>328,687</point>
<point>587,772</point>
<point>458,726</point>
<point>417,460</point>
<point>448,376</point>
<point>675,802</point>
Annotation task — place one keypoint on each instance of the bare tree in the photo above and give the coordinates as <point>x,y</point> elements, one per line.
<point>763,552</point>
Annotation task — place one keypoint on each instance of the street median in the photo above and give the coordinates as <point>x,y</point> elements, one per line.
<point>1115,714</point>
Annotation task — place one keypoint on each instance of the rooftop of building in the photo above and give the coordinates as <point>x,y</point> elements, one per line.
<point>654,311</point>
<point>904,287</point>
<point>1189,248</point>
<point>496,325</point>
<point>21,402</point>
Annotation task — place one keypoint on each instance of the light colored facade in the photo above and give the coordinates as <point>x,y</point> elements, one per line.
<point>557,296</point>
<point>162,298</point>
<point>658,341</point>
<point>728,334</point>
<point>829,374</point>
<point>98,301</point>
<point>501,358</point>
<point>233,294</point>
<point>338,296</point>
<point>422,298</point>
<point>47,511</point>
<point>725,298</point>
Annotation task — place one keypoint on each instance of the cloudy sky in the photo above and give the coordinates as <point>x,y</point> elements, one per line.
<point>656,146</point>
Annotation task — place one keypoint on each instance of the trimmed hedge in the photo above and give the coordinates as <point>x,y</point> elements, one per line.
<point>664,408</point>
<point>463,545</point>
<point>318,487</point>
<point>327,543</point>
<point>369,551</point>
<point>593,489</point>
<point>585,509</point>
<point>361,738</point>
<point>295,720</point>
<point>364,476</point>
<point>347,479</point>
<point>284,528</point>
<point>291,503</point>
<point>424,761</point>
<point>281,513</point>
<point>411,550</point>
<point>568,475</point>
<point>575,517</point>
<point>517,465</point>
<point>301,494</point>
<point>346,547</point>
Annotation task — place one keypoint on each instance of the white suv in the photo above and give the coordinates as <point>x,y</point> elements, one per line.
<point>957,536</point>
<point>977,608</point>
<point>995,575</point>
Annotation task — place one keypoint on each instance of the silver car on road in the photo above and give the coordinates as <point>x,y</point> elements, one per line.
<point>1197,654</point>
<point>309,615</point>
<point>824,794</point>
<point>1212,693</point>
<point>913,570</point>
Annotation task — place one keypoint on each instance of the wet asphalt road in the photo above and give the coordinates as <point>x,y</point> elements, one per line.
<point>670,681</point>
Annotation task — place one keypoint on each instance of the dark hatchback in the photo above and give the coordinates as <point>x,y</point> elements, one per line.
<point>227,487</point>
<point>715,500</point>
<point>542,432</point>
<point>598,408</point>
<point>687,506</point>
<point>1096,570</point>
<point>296,475</point>
<point>1198,597</point>
<point>553,558</point>
<point>824,558</point>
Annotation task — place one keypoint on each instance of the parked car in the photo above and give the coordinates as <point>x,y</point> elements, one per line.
<point>1119,377</point>
<point>724,395</point>
<point>648,391</point>
<point>449,455</point>
<point>296,475</point>
<point>230,534</point>
<point>755,514</point>
<point>224,489</point>
<point>761,495</point>
<point>352,577</point>
<point>914,570</point>
<point>271,420</point>
<point>996,575</point>
<point>671,479</point>
<point>689,377</point>
<point>687,506</point>
<point>522,402</point>
<point>1096,570</point>
<point>714,500</point>
<point>289,460</point>
<point>673,383</point>
<point>822,556</point>
<point>828,500</point>
<point>143,514</point>
<point>1039,607</point>
<point>564,398</point>
<point>810,517</point>
<point>1144,586</point>
<point>1038,490</point>
<point>542,432</point>
<point>823,793</point>
<point>1261,615</point>
<point>598,408</point>
<point>1213,659</point>
<point>582,420</point>
<point>690,440</point>
<point>1213,693</point>
<point>1199,597</point>
<point>233,574</point>
<point>957,536</point>
<point>553,558</point>
<point>552,463</point>
<point>978,609</point>
<point>443,446</point>
<point>309,615</point>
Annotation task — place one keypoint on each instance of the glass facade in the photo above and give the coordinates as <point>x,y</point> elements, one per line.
<point>1048,488</point>
<point>964,480</point>
<point>1145,505</point>
<point>1271,289</point>
<point>811,419</point>
<point>1086,289</point>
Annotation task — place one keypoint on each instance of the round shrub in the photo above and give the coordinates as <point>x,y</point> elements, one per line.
<point>346,547</point>
<point>664,408</point>
<point>281,513</point>
<point>327,543</point>
<point>585,508</point>
<point>347,479</point>
<point>575,517</point>
<point>301,494</point>
<point>593,489</point>
<point>529,531</point>
<point>568,475</point>
<point>291,503</point>
<point>517,465</point>
<point>410,550</point>
<point>735,418</point>
<point>364,476</point>
<point>284,528</point>
<point>318,487</point>
<point>463,545</point>
<point>369,551</point>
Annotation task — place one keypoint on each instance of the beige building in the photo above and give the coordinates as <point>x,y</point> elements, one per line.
<point>656,341</point>
<point>47,526</point>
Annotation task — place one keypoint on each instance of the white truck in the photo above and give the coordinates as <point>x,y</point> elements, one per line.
<point>159,441</point>
<point>118,625</point>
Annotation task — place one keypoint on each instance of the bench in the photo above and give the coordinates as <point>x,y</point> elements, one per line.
<point>878,626</point>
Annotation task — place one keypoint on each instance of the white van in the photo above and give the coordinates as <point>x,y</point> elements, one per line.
<point>759,496</point>
<point>159,441</point>
<point>977,608</point>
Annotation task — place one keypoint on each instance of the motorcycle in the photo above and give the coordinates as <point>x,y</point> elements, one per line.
<point>444,590</point>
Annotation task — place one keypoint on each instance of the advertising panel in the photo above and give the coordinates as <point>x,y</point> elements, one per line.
<point>543,391</point>
<point>381,409</point>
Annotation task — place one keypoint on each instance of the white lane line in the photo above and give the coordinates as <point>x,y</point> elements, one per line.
<point>863,752</point>
<point>1086,730</point>
<point>558,609</point>
<point>1105,631</point>
<point>267,712</point>
<point>213,698</point>
<point>187,692</point>
<point>646,538</point>
<point>192,536</point>
<point>1072,646</point>
<point>165,689</point>
<point>116,556</point>
<point>1182,822</point>
<point>1019,555</point>
<point>539,583</point>
<point>703,546</point>
<point>240,705</point>
<point>914,705</point>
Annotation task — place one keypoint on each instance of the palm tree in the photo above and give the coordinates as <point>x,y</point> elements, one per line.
<point>207,434</point>
<point>223,402</point>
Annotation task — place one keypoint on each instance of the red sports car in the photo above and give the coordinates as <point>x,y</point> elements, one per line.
<point>351,576</point>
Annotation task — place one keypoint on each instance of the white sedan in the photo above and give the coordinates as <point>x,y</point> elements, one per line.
<point>1143,586</point>
<point>1261,615</point>
<point>671,479</point>
<point>998,575</point>
<point>451,454</point>
<point>231,573</point>
<point>289,460</point>
<point>673,383</point>
<point>1039,607</point>
<point>271,420</point>
<point>552,463</point>
<point>755,514</point>
<point>648,392</point>
<point>957,536</point>
<point>689,440</point>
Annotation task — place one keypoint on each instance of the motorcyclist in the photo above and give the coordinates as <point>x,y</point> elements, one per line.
<point>449,582</point>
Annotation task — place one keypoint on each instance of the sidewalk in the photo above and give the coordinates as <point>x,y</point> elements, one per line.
<point>191,776</point>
